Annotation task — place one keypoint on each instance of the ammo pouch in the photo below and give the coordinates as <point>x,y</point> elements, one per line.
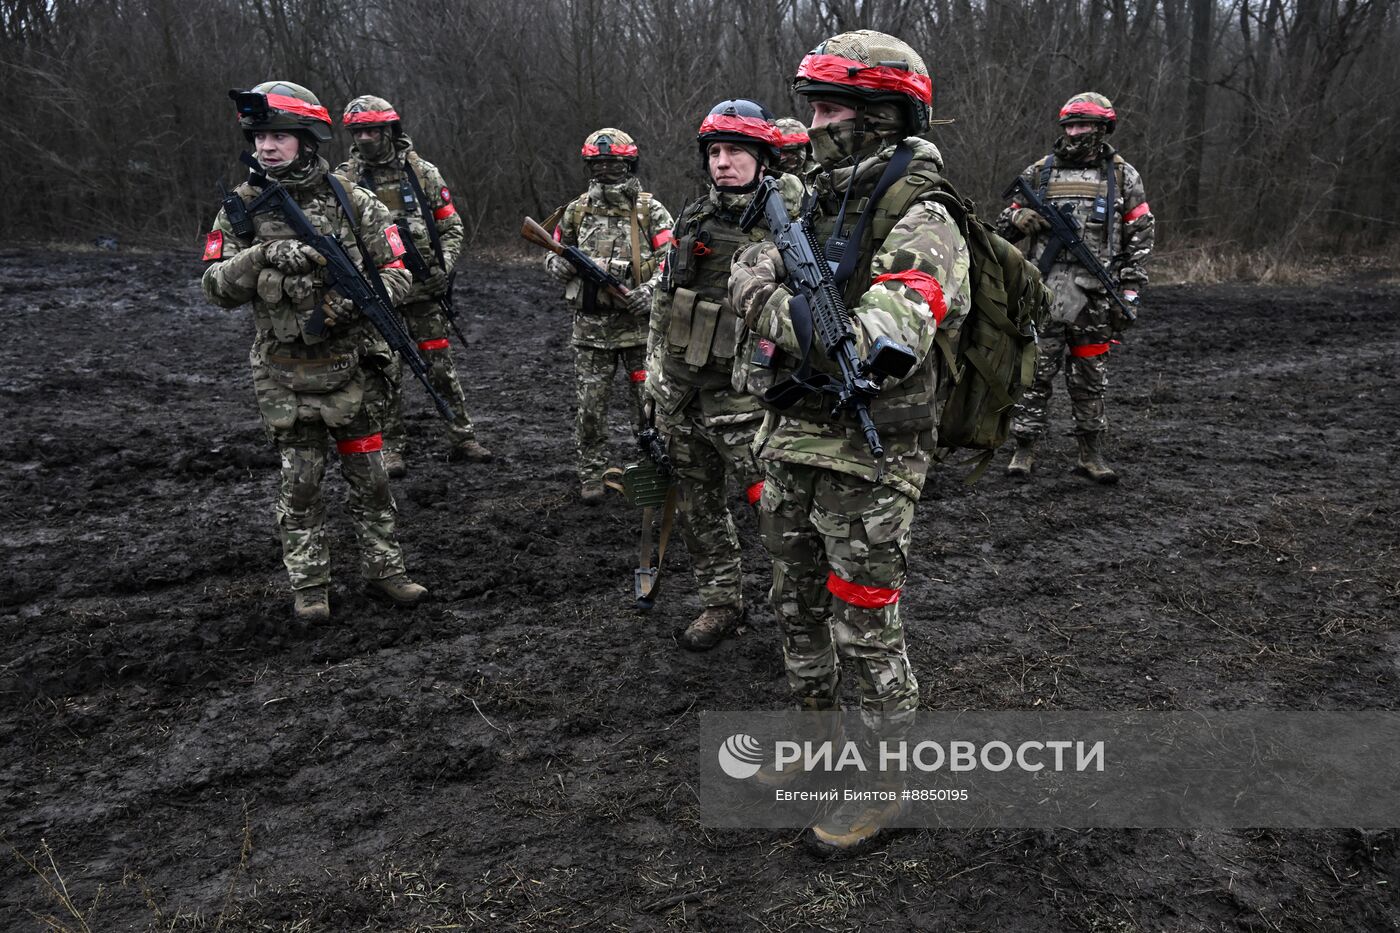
<point>312,375</point>
<point>287,318</point>
<point>702,330</point>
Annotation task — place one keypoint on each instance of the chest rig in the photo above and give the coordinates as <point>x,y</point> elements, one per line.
<point>402,192</point>
<point>1092,190</point>
<point>702,331</point>
<point>850,239</point>
<point>274,311</point>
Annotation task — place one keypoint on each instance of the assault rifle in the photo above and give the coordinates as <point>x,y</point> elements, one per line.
<point>816,305</point>
<point>594,276</point>
<point>418,268</point>
<point>344,277</point>
<point>1064,235</point>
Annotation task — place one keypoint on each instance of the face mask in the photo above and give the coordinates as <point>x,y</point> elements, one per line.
<point>833,143</point>
<point>1083,147</point>
<point>609,172</point>
<point>377,149</point>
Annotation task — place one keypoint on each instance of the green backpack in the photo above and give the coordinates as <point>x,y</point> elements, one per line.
<point>988,363</point>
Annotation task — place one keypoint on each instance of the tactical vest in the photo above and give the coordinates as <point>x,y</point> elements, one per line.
<point>391,186</point>
<point>613,238</point>
<point>702,331</point>
<point>273,311</point>
<point>1095,201</point>
<point>910,407</point>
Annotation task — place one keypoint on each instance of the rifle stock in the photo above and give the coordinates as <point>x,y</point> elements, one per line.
<point>588,270</point>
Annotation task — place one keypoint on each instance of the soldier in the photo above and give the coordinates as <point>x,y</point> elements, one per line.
<point>624,229</point>
<point>1086,173</point>
<point>795,152</point>
<point>312,389</point>
<point>694,340</point>
<point>837,523</point>
<point>383,160</point>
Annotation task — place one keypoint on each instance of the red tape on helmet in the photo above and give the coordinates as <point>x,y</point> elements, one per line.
<point>1087,108</point>
<point>371,116</point>
<point>760,130</point>
<point>833,69</point>
<point>615,150</point>
<point>299,107</point>
<point>795,139</point>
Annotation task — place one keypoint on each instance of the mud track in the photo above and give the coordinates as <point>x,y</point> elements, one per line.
<point>516,754</point>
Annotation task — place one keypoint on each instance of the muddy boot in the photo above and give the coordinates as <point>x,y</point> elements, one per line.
<point>856,825</point>
<point>398,589</point>
<point>592,491</point>
<point>311,605</point>
<point>830,729</point>
<point>394,464</point>
<point>1022,459</point>
<point>470,450</point>
<point>1091,459</point>
<point>711,627</point>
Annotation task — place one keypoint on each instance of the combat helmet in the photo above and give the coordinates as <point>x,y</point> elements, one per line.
<point>281,105</point>
<point>869,67</point>
<point>610,143</point>
<point>741,121</point>
<point>1089,107</point>
<point>370,112</point>
<point>794,133</point>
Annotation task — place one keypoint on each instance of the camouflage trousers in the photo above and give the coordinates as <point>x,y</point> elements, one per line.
<point>840,550</point>
<point>430,330</point>
<point>705,453</point>
<point>595,369</point>
<point>1081,348</point>
<point>300,510</point>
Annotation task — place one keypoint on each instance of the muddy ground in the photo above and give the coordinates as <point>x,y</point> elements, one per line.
<point>516,754</point>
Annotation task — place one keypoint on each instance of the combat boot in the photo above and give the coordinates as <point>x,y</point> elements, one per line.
<point>592,491</point>
<point>470,450</point>
<point>1091,462</point>
<point>711,627</point>
<point>1022,459</point>
<point>394,464</point>
<point>311,604</point>
<point>398,589</point>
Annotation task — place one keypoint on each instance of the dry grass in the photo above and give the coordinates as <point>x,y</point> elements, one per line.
<point>1220,263</point>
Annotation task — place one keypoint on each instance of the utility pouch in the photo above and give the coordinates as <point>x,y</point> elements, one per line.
<point>315,376</point>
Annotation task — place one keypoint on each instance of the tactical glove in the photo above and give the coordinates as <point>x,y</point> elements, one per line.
<point>244,269</point>
<point>1028,221</point>
<point>292,257</point>
<point>757,273</point>
<point>639,300</point>
<point>560,268</point>
<point>1118,319</point>
<point>436,283</point>
<point>337,310</point>
<point>298,287</point>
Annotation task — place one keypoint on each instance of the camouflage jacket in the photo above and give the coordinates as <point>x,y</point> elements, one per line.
<point>905,286</point>
<point>1129,224</point>
<point>695,334</point>
<point>231,281</point>
<point>599,222</point>
<point>389,182</point>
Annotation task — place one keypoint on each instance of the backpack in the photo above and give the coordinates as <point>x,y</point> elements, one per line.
<point>987,364</point>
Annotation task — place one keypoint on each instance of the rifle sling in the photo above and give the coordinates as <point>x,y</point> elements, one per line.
<point>429,221</point>
<point>800,312</point>
<point>371,267</point>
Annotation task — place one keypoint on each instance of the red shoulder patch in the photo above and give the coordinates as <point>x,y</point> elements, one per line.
<point>391,233</point>
<point>214,245</point>
<point>446,195</point>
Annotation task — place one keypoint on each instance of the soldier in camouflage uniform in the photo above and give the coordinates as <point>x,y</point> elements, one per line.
<point>837,523</point>
<point>795,152</point>
<point>313,389</point>
<point>695,337</point>
<point>624,230</point>
<point>1086,173</point>
<point>383,160</point>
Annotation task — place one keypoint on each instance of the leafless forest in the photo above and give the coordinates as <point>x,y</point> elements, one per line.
<point>1265,125</point>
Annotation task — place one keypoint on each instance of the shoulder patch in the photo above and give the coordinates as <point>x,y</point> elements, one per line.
<point>446,195</point>
<point>214,245</point>
<point>391,233</point>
